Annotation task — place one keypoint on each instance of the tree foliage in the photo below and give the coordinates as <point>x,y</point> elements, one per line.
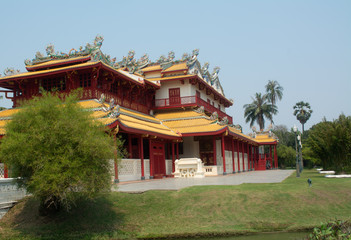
<point>302,111</point>
<point>258,110</point>
<point>58,151</point>
<point>285,136</point>
<point>274,92</point>
<point>286,156</point>
<point>330,142</point>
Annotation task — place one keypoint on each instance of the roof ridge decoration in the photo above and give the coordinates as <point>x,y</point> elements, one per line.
<point>90,49</point>
<point>266,132</point>
<point>129,61</point>
<point>11,71</point>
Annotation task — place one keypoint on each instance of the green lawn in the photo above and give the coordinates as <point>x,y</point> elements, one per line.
<point>204,210</point>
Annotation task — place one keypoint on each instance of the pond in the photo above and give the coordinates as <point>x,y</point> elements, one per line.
<point>264,236</point>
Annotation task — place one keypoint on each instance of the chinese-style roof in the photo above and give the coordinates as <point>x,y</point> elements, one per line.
<point>177,115</point>
<point>265,138</point>
<point>41,73</point>
<point>176,67</point>
<point>152,68</point>
<point>127,119</point>
<point>195,123</point>
<point>171,78</point>
<point>48,71</point>
<point>58,62</point>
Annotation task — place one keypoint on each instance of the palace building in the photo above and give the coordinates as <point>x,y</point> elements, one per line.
<point>163,110</point>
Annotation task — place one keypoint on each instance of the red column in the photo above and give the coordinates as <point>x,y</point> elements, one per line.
<point>151,160</point>
<point>6,171</point>
<point>243,155</point>
<point>233,158</point>
<point>141,146</point>
<point>223,156</point>
<point>275,157</point>
<point>130,145</point>
<point>248,157</point>
<point>252,157</point>
<point>214,151</point>
<point>173,157</point>
<point>237,153</point>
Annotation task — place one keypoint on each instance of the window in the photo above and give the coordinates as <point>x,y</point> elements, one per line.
<point>85,80</point>
<point>174,96</point>
<point>56,83</point>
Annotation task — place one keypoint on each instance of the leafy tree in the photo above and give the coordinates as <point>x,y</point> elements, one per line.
<point>286,156</point>
<point>285,137</point>
<point>274,92</point>
<point>258,110</point>
<point>58,151</point>
<point>330,142</point>
<point>302,111</point>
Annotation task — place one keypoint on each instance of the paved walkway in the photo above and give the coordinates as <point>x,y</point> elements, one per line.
<point>269,176</point>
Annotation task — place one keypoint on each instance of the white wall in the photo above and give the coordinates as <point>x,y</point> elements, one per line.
<point>204,96</point>
<point>153,75</point>
<point>190,148</point>
<point>186,90</point>
<point>163,92</point>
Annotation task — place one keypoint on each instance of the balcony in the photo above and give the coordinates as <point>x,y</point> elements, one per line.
<point>189,102</point>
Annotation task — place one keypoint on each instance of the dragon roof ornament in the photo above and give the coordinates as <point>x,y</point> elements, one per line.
<point>11,71</point>
<point>90,49</point>
<point>130,62</point>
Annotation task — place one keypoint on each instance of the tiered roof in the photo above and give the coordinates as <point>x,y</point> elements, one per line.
<point>91,56</point>
<point>196,123</point>
<point>111,116</point>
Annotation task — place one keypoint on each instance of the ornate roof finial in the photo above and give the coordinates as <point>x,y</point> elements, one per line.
<point>11,71</point>
<point>170,56</point>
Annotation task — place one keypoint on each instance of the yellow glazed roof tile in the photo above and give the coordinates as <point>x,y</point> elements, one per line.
<point>145,125</point>
<point>137,114</point>
<point>172,77</point>
<point>201,129</point>
<point>3,123</point>
<point>29,74</point>
<point>106,121</point>
<point>177,114</point>
<point>57,61</point>
<point>262,138</point>
<point>99,114</point>
<point>89,104</point>
<point>152,68</point>
<point>188,123</point>
<point>176,67</point>
<point>8,112</point>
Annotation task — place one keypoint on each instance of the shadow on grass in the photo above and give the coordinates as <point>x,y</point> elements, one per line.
<point>89,219</point>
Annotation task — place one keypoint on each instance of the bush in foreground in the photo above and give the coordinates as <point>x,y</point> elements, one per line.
<point>58,152</point>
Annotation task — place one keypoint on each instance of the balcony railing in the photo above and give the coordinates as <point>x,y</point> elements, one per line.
<point>189,101</point>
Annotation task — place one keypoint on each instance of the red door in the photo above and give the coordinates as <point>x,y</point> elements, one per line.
<point>174,96</point>
<point>158,158</point>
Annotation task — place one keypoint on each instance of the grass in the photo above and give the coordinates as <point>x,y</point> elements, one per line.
<point>195,211</point>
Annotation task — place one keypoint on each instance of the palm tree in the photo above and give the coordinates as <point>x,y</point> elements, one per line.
<point>302,112</point>
<point>274,92</point>
<point>258,110</point>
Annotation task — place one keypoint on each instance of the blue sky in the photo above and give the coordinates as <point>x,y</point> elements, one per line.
<point>304,45</point>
